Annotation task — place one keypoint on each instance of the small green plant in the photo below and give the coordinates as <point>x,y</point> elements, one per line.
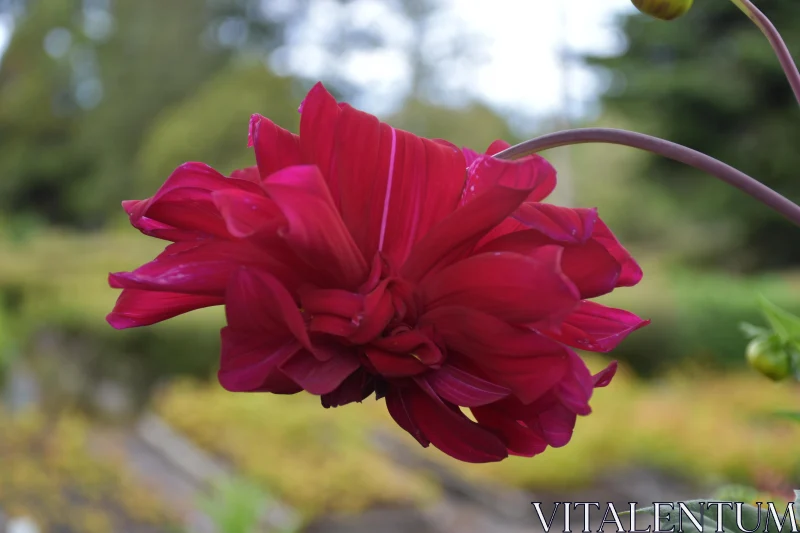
<point>775,351</point>
<point>237,506</point>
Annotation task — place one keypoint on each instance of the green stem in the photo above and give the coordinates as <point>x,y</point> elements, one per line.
<point>668,149</point>
<point>771,33</point>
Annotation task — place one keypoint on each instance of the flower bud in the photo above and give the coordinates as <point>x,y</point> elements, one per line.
<point>768,356</point>
<point>663,9</point>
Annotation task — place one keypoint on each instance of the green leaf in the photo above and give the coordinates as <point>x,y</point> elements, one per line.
<point>785,324</point>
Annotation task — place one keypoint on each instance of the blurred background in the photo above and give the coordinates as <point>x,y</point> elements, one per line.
<point>102,430</point>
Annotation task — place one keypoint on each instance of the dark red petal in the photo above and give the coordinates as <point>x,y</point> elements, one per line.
<point>378,312</point>
<point>187,209</point>
<point>512,287</point>
<point>411,342</point>
<point>631,273</point>
<point>320,377</point>
<point>245,213</point>
<point>357,387</point>
<point>335,302</point>
<point>457,235</point>
<point>256,301</point>
<point>318,133</point>
<point>591,268</point>
<point>464,389</point>
<point>556,423</point>
<point>452,432</point>
<point>497,146</point>
<point>520,440</point>
<point>575,390</point>
<point>136,308</point>
<point>275,147</point>
<point>188,176</point>
<point>526,362</point>
<point>596,328</point>
<point>533,173</point>
<point>392,365</point>
<point>474,333</point>
<point>603,378</point>
<point>427,181</point>
<point>247,174</point>
<point>561,224</point>
<point>398,402</point>
<point>249,360</point>
<point>204,268</point>
<point>315,230</point>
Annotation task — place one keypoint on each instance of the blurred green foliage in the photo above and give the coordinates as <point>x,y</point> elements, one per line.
<point>710,80</point>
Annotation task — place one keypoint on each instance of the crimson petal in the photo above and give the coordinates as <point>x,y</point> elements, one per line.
<point>596,328</point>
<point>464,389</point>
<point>135,308</point>
<point>275,147</point>
<point>452,432</point>
<point>315,230</point>
<point>512,287</point>
<point>245,213</point>
<point>320,377</point>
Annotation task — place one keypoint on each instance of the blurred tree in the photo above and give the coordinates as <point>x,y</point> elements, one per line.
<point>710,81</point>
<point>101,99</point>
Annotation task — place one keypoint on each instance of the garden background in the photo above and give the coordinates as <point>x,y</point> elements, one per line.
<point>104,430</point>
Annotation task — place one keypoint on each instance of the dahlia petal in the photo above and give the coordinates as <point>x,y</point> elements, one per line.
<point>452,432</point>
<point>378,312</point>
<point>135,308</point>
<point>245,213</point>
<point>398,403</point>
<point>426,184</point>
<point>603,378</point>
<point>591,268</point>
<point>247,174</point>
<point>249,360</point>
<point>561,224</point>
<point>533,173</point>
<point>520,440</point>
<point>392,365</point>
<point>315,230</point>
<point>457,235</point>
<point>335,302</point>
<point>318,133</point>
<point>475,334</point>
<point>596,328</point>
<point>411,342</point>
<point>497,146</point>
<point>186,208</point>
<point>575,390</point>
<point>320,377</point>
<point>631,272</point>
<point>464,389</point>
<point>256,301</point>
<point>356,388</point>
<point>202,268</point>
<point>526,362</point>
<point>193,176</point>
<point>275,147</point>
<point>512,287</point>
<point>557,424</point>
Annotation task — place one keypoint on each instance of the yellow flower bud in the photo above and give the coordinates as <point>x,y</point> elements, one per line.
<point>663,9</point>
<point>766,355</point>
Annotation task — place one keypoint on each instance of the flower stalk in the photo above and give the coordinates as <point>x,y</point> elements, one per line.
<point>774,37</point>
<point>664,148</point>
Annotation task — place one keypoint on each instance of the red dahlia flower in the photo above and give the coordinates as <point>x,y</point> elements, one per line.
<point>356,259</point>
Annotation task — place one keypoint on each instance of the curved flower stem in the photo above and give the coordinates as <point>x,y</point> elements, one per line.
<point>668,149</point>
<point>775,39</point>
